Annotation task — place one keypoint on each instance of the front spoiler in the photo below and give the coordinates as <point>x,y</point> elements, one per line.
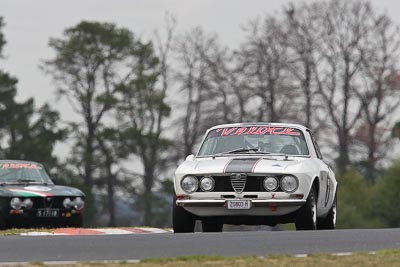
<point>254,202</point>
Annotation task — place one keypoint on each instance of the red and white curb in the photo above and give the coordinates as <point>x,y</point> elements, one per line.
<point>99,231</point>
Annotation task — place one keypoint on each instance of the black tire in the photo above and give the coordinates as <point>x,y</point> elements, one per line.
<point>182,220</point>
<point>329,222</point>
<point>211,226</point>
<point>3,224</point>
<point>77,221</point>
<point>306,218</point>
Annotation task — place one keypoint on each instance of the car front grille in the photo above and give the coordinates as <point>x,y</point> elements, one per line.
<point>248,183</point>
<point>47,202</point>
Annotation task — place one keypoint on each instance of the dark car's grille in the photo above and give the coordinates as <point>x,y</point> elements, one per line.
<point>47,202</point>
<point>252,183</point>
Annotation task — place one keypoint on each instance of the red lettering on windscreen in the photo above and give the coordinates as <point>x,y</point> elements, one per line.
<point>227,131</point>
<point>258,130</point>
<point>240,131</point>
<point>262,130</point>
<point>19,166</point>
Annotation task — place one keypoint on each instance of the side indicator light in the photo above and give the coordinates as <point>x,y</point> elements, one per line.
<point>16,212</point>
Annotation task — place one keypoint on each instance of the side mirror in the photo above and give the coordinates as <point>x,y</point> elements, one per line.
<point>190,157</point>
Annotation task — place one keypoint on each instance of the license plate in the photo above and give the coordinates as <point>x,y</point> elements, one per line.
<point>47,213</point>
<point>239,204</point>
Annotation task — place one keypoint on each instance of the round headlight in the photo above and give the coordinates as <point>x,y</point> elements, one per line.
<point>207,184</point>
<point>67,203</point>
<point>78,203</point>
<point>271,183</point>
<point>190,184</point>
<point>16,203</point>
<point>27,203</point>
<point>289,183</point>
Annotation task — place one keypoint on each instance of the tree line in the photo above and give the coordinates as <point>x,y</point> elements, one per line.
<point>145,104</point>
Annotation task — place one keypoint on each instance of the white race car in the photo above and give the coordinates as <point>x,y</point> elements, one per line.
<point>255,174</point>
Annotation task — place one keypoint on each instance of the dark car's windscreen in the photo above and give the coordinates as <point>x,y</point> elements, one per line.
<point>23,172</point>
<point>284,140</point>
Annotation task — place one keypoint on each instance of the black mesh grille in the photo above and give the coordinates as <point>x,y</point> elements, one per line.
<point>253,183</point>
<point>51,202</point>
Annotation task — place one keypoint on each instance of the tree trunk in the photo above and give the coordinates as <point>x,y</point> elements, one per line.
<point>371,161</point>
<point>110,197</point>
<point>343,160</point>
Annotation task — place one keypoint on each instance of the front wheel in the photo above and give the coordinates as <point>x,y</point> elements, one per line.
<point>77,221</point>
<point>3,224</point>
<point>307,215</point>
<point>329,223</point>
<point>182,220</point>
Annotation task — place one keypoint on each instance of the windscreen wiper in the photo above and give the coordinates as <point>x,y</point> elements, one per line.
<point>241,150</point>
<point>28,181</point>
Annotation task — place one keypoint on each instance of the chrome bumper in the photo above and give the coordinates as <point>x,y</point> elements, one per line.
<point>254,202</point>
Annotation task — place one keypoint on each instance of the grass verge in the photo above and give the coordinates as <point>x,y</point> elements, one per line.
<point>383,258</point>
<point>17,231</point>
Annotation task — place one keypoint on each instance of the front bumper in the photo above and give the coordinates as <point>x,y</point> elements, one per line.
<point>28,218</point>
<point>259,207</point>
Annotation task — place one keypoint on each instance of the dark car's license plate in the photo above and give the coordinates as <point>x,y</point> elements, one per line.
<point>48,213</point>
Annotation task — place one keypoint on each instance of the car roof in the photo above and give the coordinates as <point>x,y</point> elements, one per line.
<point>247,124</point>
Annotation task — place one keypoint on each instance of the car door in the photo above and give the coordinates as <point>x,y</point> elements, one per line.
<point>325,174</point>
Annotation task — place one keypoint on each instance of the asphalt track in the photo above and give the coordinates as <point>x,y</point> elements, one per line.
<point>139,246</point>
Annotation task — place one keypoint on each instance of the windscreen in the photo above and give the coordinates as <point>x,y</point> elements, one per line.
<point>12,172</point>
<point>285,140</point>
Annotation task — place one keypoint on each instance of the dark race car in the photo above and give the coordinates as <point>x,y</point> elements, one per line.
<point>29,198</point>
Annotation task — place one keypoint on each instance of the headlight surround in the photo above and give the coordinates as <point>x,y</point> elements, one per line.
<point>271,183</point>
<point>190,184</point>
<point>207,183</point>
<point>16,203</point>
<point>289,183</point>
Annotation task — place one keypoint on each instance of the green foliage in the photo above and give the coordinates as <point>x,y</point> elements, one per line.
<point>355,198</point>
<point>33,138</point>
<point>161,202</point>
<point>25,133</point>
<point>387,197</point>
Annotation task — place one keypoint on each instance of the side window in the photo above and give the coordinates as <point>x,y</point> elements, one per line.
<point>316,147</point>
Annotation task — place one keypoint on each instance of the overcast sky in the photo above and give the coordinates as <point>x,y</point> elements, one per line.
<point>30,24</point>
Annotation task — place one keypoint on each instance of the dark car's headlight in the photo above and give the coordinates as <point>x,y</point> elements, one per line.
<point>289,183</point>
<point>16,203</point>
<point>67,203</point>
<point>79,203</point>
<point>27,203</point>
<point>190,184</point>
